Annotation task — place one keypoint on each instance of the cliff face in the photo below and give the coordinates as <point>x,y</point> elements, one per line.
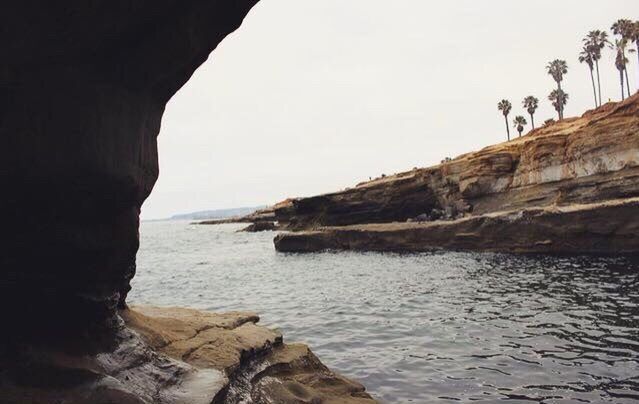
<point>600,228</point>
<point>83,86</point>
<point>580,161</point>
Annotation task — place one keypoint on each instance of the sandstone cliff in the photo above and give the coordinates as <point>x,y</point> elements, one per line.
<point>587,161</point>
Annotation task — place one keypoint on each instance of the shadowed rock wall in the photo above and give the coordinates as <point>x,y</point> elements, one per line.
<point>83,86</point>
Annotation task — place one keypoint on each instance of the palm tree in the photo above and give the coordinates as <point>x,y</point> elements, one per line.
<point>520,122</point>
<point>635,37</point>
<point>531,104</point>
<point>625,29</point>
<point>620,62</point>
<point>596,41</point>
<point>557,69</point>
<point>505,107</point>
<point>559,100</point>
<point>586,57</point>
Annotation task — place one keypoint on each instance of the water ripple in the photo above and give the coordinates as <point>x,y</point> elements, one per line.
<point>437,328</point>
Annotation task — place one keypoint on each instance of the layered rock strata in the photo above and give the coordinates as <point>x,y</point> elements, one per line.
<point>255,363</point>
<point>589,163</point>
<point>178,356</point>
<point>600,228</point>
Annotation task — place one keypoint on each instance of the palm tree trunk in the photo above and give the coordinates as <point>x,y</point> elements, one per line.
<point>627,81</point>
<point>598,82</point>
<point>561,107</point>
<point>507,127</point>
<point>638,62</point>
<point>592,78</point>
<point>532,120</point>
<point>623,94</point>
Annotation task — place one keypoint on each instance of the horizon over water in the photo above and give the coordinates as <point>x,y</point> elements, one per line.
<point>439,327</point>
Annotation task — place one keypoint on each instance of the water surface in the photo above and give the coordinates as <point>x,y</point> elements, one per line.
<point>424,328</point>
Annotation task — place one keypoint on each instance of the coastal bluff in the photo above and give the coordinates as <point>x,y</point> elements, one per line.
<point>568,187</point>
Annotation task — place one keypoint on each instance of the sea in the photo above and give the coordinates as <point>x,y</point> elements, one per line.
<point>439,327</point>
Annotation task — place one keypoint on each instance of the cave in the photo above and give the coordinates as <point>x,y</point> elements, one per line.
<point>83,87</point>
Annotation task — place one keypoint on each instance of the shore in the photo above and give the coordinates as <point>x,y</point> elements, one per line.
<point>594,228</point>
<point>254,363</point>
<point>178,356</point>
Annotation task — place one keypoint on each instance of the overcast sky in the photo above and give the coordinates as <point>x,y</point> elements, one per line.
<point>312,96</point>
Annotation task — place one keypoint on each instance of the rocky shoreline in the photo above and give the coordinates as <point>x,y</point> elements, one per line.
<point>568,187</point>
<point>261,220</point>
<point>178,356</point>
<point>599,228</point>
<point>254,363</point>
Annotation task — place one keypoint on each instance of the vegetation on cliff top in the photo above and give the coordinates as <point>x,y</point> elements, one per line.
<point>591,53</point>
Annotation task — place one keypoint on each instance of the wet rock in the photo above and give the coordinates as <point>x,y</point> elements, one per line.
<point>259,367</point>
<point>178,356</point>
<point>128,372</point>
<point>260,227</point>
<point>602,228</point>
<point>437,214</point>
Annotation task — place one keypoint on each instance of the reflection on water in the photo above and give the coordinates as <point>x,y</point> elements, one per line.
<point>441,327</point>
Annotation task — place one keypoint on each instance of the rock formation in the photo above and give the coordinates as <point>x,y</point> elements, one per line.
<point>259,216</point>
<point>83,86</point>
<point>565,187</point>
<point>258,227</point>
<point>179,356</point>
<point>600,228</point>
<point>253,362</point>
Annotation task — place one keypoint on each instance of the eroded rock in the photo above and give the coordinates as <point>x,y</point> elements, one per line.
<point>260,368</point>
<point>178,356</point>
<point>580,169</point>
<point>603,228</point>
<point>260,227</point>
<point>590,159</point>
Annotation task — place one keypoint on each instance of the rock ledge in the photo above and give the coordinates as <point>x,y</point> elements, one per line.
<point>179,356</point>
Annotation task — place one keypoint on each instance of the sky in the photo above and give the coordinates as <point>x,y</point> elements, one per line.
<point>315,96</point>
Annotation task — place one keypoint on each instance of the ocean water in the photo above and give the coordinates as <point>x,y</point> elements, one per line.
<point>423,328</point>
